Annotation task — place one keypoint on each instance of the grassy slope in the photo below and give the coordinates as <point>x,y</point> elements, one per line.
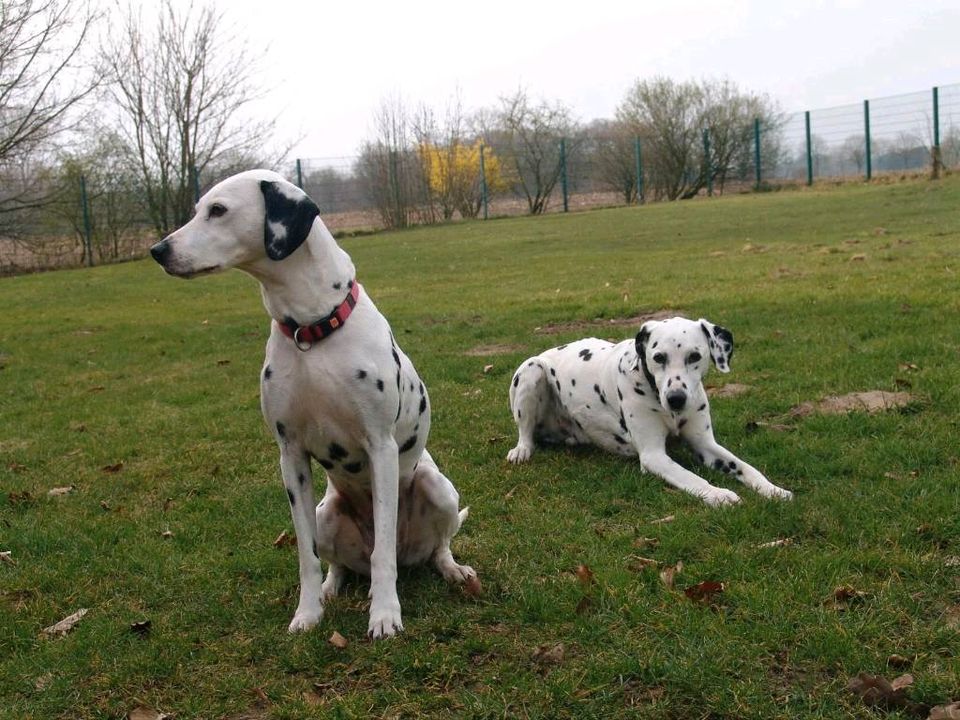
<point>123,364</point>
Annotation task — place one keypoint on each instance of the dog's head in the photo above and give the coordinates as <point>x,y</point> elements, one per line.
<point>245,218</point>
<point>673,353</point>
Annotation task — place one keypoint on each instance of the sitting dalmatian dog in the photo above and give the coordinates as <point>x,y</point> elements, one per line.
<point>626,398</point>
<point>335,389</point>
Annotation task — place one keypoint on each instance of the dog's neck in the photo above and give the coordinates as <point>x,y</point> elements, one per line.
<point>308,284</point>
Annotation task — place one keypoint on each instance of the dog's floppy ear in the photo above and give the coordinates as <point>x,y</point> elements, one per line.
<point>289,216</point>
<point>641,340</point>
<point>721,344</point>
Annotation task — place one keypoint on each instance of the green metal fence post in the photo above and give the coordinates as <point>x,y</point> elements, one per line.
<point>937,157</point>
<point>866,135</point>
<point>299,175</point>
<point>637,157</point>
<point>563,173</point>
<point>756,150</point>
<point>806,117</point>
<point>483,183</point>
<point>87,237</point>
<point>706,161</point>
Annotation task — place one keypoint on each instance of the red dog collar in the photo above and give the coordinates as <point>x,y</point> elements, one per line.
<point>304,336</point>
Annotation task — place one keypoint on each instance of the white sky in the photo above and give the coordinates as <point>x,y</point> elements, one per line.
<point>328,65</point>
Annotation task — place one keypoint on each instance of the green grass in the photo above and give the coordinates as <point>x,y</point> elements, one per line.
<point>122,364</point>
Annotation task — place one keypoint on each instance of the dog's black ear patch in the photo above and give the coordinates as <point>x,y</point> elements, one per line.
<point>641,340</point>
<point>720,341</point>
<point>288,218</point>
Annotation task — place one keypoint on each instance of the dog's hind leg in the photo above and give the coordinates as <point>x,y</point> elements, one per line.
<point>443,518</point>
<point>529,400</point>
<point>298,481</point>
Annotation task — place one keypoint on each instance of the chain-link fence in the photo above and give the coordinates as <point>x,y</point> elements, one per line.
<point>103,218</point>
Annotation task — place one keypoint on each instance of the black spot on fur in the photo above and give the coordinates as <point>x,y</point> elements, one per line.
<point>516,380</point>
<point>316,551</point>
<point>408,444</point>
<point>267,372</point>
<point>293,500</point>
<point>561,347</point>
<point>349,284</point>
<point>638,390</point>
<point>619,439</point>
<point>573,382</point>
<point>337,452</point>
<point>733,465</point>
<point>337,285</point>
<point>281,430</point>
<point>379,384</point>
<point>623,423</point>
<point>423,404</point>
<point>558,385</point>
<point>701,408</point>
<point>327,465</point>
<point>353,467</point>
<point>718,464</point>
<point>585,354</point>
<point>301,478</point>
<point>361,374</point>
<point>553,372</point>
<point>619,395</point>
<point>682,422</point>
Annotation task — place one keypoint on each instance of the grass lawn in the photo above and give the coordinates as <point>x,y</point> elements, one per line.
<point>142,392</point>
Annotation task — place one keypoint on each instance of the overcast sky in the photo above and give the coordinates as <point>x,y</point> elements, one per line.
<point>328,65</point>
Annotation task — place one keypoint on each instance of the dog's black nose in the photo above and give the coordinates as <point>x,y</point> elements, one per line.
<point>160,251</point>
<point>676,399</point>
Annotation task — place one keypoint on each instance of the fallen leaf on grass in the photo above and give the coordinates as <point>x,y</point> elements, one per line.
<point>65,625</point>
<point>142,713</point>
<point>584,575</point>
<point>284,539</point>
<point>859,257</point>
<point>58,491</point>
<point>310,697</point>
<point>844,595</point>
<point>20,498</point>
<point>104,505</point>
<point>705,592</point>
<point>338,640</point>
<point>871,402</point>
<point>908,367</point>
<point>166,534</point>
<point>899,661</point>
<point>111,469</point>
<point>16,467</point>
<point>487,368</point>
<point>664,520</point>
<point>876,690</point>
<point>638,564</point>
<point>645,542</point>
<point>945,712</point>
<point>729,390</point>
<point>221,363</point>
<point>472,586</point>
<point>548,654</point>
<point>668,574</point>
<point>7,557</point>
<point>776,543</point>
<point>754,425</point>
<point>585,604</point>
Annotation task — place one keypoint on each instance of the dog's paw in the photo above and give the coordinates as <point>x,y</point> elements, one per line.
<point>520,454</point>
<point>331,585</point>
<point>778,493</point>
<point>304,619</point>
<point>715,497</point>
<point>458,574</point>
<point>384,622</point>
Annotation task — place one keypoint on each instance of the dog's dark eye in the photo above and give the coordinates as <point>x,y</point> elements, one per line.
<point>216,210</point>
<point>694,357</point>
<point>660,358</point>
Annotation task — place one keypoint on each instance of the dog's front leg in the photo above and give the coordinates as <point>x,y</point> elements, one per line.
<point>659,463</point>
<point>384,603</point>
<point>297,479</point>
<point>711,453</point>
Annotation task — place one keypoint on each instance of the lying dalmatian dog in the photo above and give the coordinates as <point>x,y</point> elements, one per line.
<point>335,388</point>
<point>626,398</point>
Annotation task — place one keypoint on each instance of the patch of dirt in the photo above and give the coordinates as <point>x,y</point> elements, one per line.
<point>635,321</point>
<point>495,349</point>
<point>874,401</point>
<point>729,390</point>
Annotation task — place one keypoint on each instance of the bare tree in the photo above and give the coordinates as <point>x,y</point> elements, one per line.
<point>43,81</point>
<point>182,90</point>
<point>854,150</point>
<point>528,136</point>
<point>614,150</point>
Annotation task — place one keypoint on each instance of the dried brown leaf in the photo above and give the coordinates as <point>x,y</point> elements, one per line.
<point>7,557</point>
<point>845,595</point>
<point>638,563</point>
<point>338,640</point>
<point>16,467</point>
<point>111,469</point>
<point>472,586</point>
<point>669,573</point>
<point>781,542</point>
<point>58,491</point>
<point>899,661</point>
<point>65,625</point>
<point>645,542</point>
<point>284,539</point>
<point>487,368</point>
<point>141,627</point>
<point>166,534</point>
<point>584,575</point>
<point>142,713</point>
<point>585,604</point>
<point>704,592</point>
<point>950,711</point>
<point>664,520</point>
<point>548,654</point>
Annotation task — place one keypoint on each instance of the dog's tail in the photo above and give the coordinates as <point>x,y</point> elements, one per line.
<point>461,516</point>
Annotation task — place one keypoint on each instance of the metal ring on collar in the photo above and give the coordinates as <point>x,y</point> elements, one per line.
<point>301,345</point>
